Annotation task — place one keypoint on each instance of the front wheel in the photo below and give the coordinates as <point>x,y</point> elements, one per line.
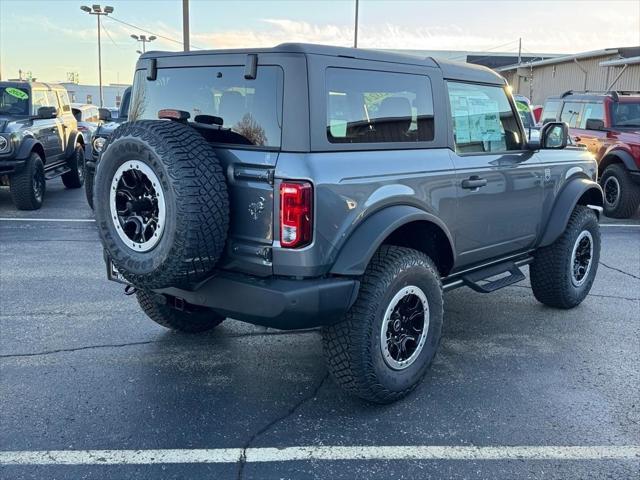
<point>28,185</point>
<point>190,320</point>
<point>562,273</point>
<point>387,340</point>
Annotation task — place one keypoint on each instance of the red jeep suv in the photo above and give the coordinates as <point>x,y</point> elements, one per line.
<point>608,124</point>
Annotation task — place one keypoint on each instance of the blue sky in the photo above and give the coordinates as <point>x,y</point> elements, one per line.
<point>51,38</point>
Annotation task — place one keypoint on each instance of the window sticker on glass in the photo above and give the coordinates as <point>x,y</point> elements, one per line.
<point>15,92</point>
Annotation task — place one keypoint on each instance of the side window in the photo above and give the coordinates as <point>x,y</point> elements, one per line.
<point>483,120</point>
<point>571,113</point>
<point>64,100</point>
<point>550,111</point>
<point>592,111</point>
<point>38,99</point>
<point>366,106</point>
<point>52,100</point>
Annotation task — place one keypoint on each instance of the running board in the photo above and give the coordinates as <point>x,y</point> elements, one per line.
<point>473,279</point>
<point>56,172</point>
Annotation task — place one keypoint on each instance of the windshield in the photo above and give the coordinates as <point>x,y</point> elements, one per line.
<point>250,110</point>
<point>525,114</point>
<point>626,114</point>
<point>14,101</point>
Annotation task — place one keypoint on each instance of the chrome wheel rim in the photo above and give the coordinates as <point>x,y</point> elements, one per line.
<point>404,328</point>
<point>611,191</point>
<point>137,206</point>
<point>581,258</point>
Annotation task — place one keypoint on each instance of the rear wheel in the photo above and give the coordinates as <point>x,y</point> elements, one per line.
<point>190,320</point>
<point>28,185</point>
<point>562,273</point>
<point>75,177</point>
<point>621,194</point>
<point>389,337</point>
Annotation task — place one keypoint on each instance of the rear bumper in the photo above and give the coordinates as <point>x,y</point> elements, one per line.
<point>273,302</point>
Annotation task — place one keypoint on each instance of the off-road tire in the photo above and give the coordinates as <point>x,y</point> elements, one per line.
<point>629,193</point>
<point>89,179</point>
<point>193,186</point>
<point>187,321</point>
<point>352,347</point>
<point>22,189</point>
<point>551,270</point>
<point>75,177</point>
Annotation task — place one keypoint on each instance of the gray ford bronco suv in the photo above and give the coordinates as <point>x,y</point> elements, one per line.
<point>39,140</point>
<point>311,186</point>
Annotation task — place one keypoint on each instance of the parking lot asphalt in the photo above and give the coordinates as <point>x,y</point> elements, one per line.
<point>82,369</point>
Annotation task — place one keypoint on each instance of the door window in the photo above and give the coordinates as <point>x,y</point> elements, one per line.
<point>592,111</point>
<point>483,120</point>
<point>38,99</point>
<point>64,100</point>
<point>366,106</point>
<point>572,113</point>
<point>550,111</point>
<point>52,100</point>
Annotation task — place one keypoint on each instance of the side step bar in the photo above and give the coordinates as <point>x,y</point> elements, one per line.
<point>473,279</point>
<point>479,279</point>
<point>56,172</point>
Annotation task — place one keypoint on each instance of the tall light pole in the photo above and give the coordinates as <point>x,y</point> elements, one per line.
<point>144,40</point>
<point>98,11</point>
<point>355,31</point>
<point>185,24</point>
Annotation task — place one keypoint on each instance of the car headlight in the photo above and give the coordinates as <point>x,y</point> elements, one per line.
<point>4,144</point>
<point>98,144</point>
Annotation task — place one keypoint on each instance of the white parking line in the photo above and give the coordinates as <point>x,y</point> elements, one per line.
<point>625,225</point>
<point>81,220</point>
<point>257,455</point>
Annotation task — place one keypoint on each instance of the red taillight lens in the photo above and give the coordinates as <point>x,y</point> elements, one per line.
<point>296,214</point>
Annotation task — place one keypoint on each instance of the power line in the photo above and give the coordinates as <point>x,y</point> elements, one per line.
<point>486,49</point>
<point>150,32</point>
<point>111,38</point>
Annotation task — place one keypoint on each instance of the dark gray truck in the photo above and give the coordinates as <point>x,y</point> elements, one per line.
<point>304,186</point>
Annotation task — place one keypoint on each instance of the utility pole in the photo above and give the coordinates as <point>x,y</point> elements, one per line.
<point>185,24</point>
<point>355,30</point>
<point>519,50</point>
<point>98,12</point>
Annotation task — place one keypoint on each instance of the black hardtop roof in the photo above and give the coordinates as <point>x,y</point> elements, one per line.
<point>32,85</point>
<point>453,70</point>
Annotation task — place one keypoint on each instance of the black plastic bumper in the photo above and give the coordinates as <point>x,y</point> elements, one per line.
<point>10,166</point>
<point>273,302</point>
<point>90,166</point>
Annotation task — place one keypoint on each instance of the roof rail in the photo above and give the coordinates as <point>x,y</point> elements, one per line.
<point>568,92</point>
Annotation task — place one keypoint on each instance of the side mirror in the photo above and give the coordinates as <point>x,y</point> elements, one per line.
<point>554,135</point>
<point>45,113</point>
<point>104,114</point>
<point>594,124</point>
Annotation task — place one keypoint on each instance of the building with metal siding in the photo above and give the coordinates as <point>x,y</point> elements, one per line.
<point>600,70</point>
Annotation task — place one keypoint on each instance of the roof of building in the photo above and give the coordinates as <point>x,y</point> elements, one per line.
<point>624,52</point>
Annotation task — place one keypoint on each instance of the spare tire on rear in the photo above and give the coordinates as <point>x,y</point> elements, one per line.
<point>161,204</point>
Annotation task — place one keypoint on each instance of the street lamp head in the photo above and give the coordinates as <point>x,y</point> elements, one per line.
<point>152,38</point>
<point>143,38</point>
<point>138,52</point>
<point>135,37</point>
<point>108,9</point>
<point>84,8</point>
<point>96,8</point>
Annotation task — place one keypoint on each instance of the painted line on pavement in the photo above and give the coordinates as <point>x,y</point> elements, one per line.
<point>80,220</point>
<point>262,455</point>
<point>625,225</point>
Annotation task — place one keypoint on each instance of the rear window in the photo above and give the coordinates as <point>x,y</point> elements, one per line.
<point>370,107</point>
<point>572,113</point>
<point>626,114</point>
<point>550,111</point>
<point>250,109</point>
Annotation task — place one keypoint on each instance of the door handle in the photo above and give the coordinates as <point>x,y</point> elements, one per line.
<point>474,182</point>
<point>577,139</point>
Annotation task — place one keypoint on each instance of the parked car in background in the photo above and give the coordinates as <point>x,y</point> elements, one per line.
<point>608,125</point>
<point>523,105</point>
<point>108,123</point>
<point>39,140</point>
<point>88,119</point>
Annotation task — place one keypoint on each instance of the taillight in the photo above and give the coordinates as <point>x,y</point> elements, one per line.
<point>296,214</point>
